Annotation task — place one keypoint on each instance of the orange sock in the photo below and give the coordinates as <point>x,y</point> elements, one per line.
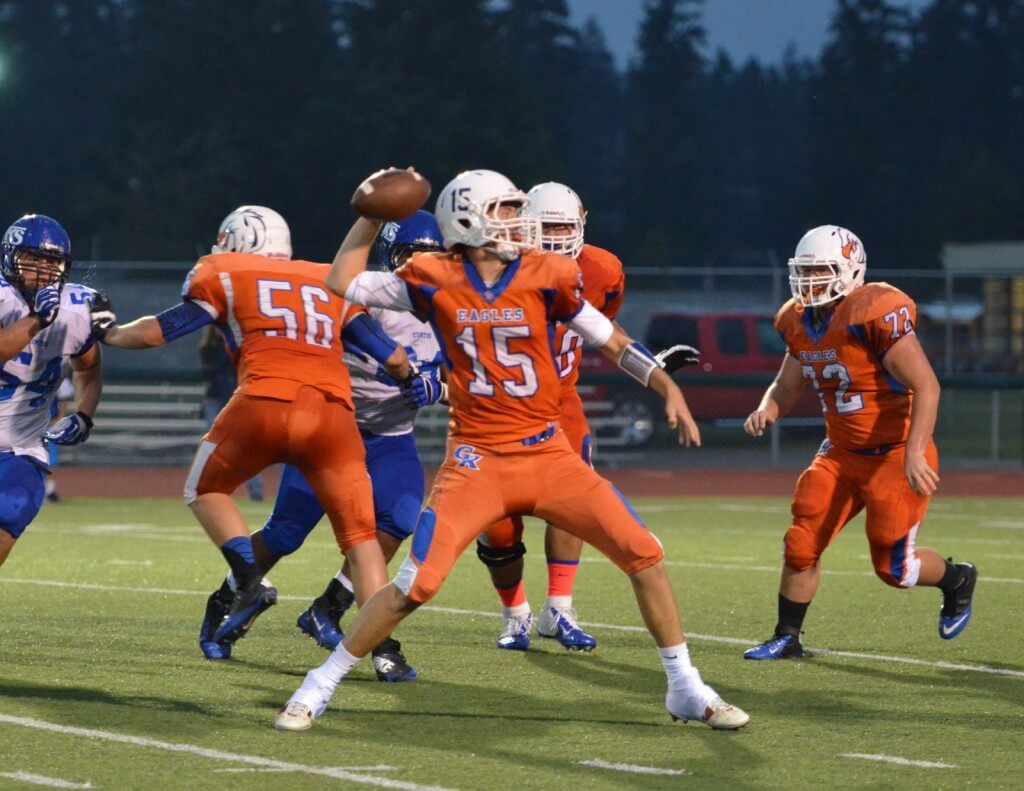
<point>513,595</point>
<point>561,577</point>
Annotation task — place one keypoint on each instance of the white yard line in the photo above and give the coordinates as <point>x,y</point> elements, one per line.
<point>376,768</point>
<point>43,780</point>
<point>710,638</point>
<point>597,763</point>
<point>892,759</point>
<point>216,755</point>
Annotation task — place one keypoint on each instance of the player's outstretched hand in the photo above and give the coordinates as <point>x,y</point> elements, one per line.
<point>678,356</point>
<point>678,415</point>
<point>758,421</point>
<point>102,316</point>
<point>46,305</point>
<point>922,478</point>
<point>422,388</point>
<point>71,430</point>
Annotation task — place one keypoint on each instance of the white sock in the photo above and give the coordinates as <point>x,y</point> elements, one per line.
<point>49,486</point>
<point>518,610</point>
<point>346,583</point>
<point>338,664</point>
<point>558,602</point>
<point>230,580</point>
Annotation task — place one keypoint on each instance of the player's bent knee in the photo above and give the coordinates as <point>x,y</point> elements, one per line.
<point>897,566</point>
<point>799,551</point>
<point>498,557</point>
<point>284,538</point>
<point>17,509</point>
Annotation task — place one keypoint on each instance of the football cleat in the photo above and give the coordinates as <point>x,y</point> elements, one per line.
<point>780,646</point>
<point>321,624</point>
<point>217,607</point>
<point>559,623</point>
<point>307,703</point>
<point>715,713</point>
<point>389,662</point>
<point>956,605</point>
<point>247,605</point>
<point>516,634</point>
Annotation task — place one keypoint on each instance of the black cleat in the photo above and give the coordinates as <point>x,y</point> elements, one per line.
<point>956,604</point>
<point>389,662</point>
<point>249,602</point>
<point>217,607</point>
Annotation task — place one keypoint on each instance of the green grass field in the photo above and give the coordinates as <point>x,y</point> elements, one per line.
<point>103,682</point>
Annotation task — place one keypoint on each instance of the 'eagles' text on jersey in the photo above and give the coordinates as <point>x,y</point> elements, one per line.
<point>279,319</point>
<point>29,380</point>
<point>864,405</point>
<point>497,340</point>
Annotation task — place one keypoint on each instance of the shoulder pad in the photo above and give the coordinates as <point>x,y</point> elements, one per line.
<point>874,300</point>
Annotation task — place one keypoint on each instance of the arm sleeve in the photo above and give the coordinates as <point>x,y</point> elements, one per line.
<point>183,318</point>
<point>894,316</point>
<point>590,324</point>
<point>379,290</point>
<point>365,337</point>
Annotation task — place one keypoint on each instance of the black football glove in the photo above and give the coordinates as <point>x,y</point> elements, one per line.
<point>102,316</point>
<point>676,357</point>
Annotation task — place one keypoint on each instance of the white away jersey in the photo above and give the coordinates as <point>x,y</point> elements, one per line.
<point>29,380</point>
<point>379,405</point>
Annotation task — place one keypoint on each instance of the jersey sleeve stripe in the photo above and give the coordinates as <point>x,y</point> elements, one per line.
<point>229,296</point>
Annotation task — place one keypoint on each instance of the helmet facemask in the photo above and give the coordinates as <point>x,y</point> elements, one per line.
<point>507,236</point>
<point>34,269</point>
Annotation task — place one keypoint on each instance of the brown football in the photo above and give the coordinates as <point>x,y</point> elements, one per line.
<point>390,194</point>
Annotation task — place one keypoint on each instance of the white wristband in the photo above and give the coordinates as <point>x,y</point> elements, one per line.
<point>638,362</point>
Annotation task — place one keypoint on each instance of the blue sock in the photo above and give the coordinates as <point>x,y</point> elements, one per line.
<point>238,553</point>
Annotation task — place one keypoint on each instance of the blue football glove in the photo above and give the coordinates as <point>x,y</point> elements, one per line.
<point>676,357</point>
<point>71,430</point>
<point>46,305</point>
<point>422,388</point>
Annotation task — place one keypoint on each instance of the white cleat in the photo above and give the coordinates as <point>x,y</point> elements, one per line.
<point>715,713</point>
<point>309,702</point>
<point>294,716</point>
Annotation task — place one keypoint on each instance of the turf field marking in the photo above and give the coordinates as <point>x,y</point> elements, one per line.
<point>377,768</point>
<point>892,759</point>
<point>597,763</point>
<point>709,638</point>
<point>1005,524</point>
<point>216,755</point>
<point>118,562</point>
<point>43,780</point>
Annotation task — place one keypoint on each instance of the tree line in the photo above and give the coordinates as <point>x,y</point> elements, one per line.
<point>140,123</point>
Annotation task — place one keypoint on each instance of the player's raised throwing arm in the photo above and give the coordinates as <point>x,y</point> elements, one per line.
<point>780,397</point>
<point>639,363</point>
<point>351,257</point>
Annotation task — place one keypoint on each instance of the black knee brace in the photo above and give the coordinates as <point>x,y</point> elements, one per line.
<point>496,557</point>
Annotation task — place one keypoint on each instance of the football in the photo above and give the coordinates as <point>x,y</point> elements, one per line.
<point>390,194</point>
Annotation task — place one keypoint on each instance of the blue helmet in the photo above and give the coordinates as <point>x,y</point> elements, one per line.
<point>418,233</point>
<point>39,235</point>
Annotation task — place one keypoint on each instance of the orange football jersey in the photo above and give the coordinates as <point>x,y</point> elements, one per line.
<point>603,285</point>
<point>864,405</point>
<point>497,340</point>
<point>279,319</point>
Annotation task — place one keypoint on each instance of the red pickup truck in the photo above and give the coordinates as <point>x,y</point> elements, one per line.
<point>730,343</point>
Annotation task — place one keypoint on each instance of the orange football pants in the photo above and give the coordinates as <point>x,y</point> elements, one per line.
<point>315,433</point>
<point>476,486</point>
<point>508,532</point>
<point>836,487</point>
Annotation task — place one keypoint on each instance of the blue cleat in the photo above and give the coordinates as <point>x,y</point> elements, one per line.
<point>781,646</point>
<point>216,610</point>
<point>956,605</point>
<point>318,622</point>
<point>389,663</point>
<point>560,624</point>
<point>245,608</point>
<point>516,634</point>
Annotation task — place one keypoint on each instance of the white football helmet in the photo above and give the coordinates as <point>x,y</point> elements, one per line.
<point>254,229</point>
<point>837,262</point>
<point>556,204</point>
<point>466,212</point>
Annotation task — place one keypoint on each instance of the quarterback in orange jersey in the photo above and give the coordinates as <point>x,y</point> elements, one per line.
<point>293,403</point>
<point>501,548</point>
<point>855,344</point>
<point>493,301</point>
